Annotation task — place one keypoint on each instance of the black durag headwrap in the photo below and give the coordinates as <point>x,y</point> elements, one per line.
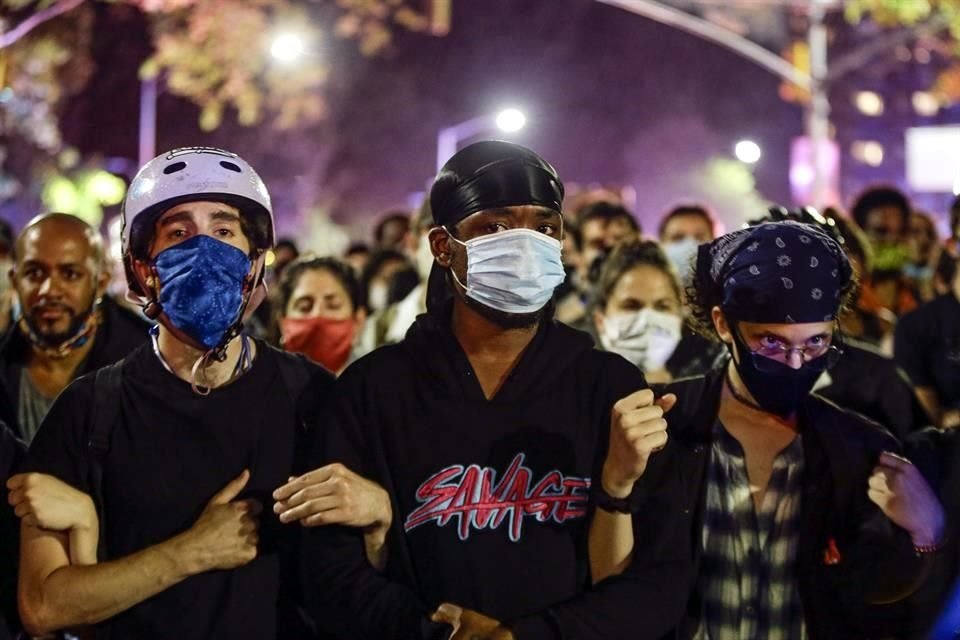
<point>488,175</point>
<point>777,272</point>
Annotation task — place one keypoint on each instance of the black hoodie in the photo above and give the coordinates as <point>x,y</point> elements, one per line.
<point>491,503</point>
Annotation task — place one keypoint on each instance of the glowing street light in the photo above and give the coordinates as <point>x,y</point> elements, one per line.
<point>507,120</point>
<point>287,47</point>
<point>747,151</point>
<point>511,120</point>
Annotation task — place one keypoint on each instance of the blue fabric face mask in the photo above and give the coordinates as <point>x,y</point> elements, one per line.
<point>513,271</point>
<point>201,287</point>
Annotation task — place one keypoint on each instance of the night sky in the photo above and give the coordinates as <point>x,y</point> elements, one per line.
<point>611,97</point>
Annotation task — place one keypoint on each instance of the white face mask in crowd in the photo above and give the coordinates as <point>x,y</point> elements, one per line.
<point>377,297</point>
<point>512,271</point>
<point>681,254</point>
<point>646,338</point>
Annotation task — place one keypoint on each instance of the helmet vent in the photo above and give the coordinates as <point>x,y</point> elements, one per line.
<point>230,166</point>
<point>173,168</point>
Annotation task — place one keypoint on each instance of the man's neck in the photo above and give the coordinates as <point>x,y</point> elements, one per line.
<point>493,351</point>
<point>480,338</point>
<point>181,358</point>
<point>38,360</point>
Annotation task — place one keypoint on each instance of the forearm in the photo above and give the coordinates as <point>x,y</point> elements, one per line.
<point>375,547</point>
<point>77,595</point>
<point>83,545</point>
<point>611,539</point>
<point>610,544</point>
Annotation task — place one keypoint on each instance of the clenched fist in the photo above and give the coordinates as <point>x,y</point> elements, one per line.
<point>225,535</point>
<point>637,430</point>
<point>898,488</point>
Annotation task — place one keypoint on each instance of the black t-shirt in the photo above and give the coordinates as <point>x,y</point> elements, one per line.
<point>927,347</point>
<point>170,452</point>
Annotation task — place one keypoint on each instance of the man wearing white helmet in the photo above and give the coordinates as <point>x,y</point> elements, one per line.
<point>181,441</point>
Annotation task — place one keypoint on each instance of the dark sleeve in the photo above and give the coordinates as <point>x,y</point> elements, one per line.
<point>911,348</point>
<point>882,565</point>
<point>60,445</point>
<point>901,410</point>
<point>11,456</point>
<point>344,594</point>
<point>648,599</point>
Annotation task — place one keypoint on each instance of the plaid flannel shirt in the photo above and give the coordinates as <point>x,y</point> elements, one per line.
<point>747,580</point>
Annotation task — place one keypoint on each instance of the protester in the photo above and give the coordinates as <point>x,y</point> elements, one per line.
<point>392,324</point>
<point>927,347</point>
<point>321,313</point>
<point>68,326</point>
<point>864,379</point>
<point>486,425</point>
<point>682,230</point>
<point>391,231</point>
<point>602,225</point>
<point>284,253</point>
<point>357,255</point>
<point>884,215</point>
<point>638,314</point>
<point>803,514</point>
<point>923,246</point>
<point>377,276</point>
<point>179,444</point>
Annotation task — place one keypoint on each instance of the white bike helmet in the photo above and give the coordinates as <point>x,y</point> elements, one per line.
<point>189,174</point>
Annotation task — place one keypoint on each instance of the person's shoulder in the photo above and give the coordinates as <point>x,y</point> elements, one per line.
<point>295,366</point>
<point>384,361</point>
<point>855,428</point>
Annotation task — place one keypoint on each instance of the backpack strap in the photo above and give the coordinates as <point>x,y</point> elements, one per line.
<point>103,417</point>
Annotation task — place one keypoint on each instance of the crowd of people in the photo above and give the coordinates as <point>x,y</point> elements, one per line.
<point>509,416</point>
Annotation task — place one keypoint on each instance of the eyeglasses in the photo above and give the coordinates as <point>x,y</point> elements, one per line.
<point>819,357</point>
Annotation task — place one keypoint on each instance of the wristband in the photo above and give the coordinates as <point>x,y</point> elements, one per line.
<point>610,504</point>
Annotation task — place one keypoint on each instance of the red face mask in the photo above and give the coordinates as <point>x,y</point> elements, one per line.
<point>321,339</point>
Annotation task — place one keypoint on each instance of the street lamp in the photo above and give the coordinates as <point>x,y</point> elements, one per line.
<point>747,151</point>
<point>287,47</point>
<point>507,120</point>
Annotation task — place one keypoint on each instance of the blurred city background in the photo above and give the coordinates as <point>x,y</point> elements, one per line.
<point>347,106</point>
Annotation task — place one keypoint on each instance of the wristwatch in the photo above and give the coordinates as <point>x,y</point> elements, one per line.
<point>607,502</point>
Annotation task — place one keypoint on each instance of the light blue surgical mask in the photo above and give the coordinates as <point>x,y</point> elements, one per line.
<point>512,271</point>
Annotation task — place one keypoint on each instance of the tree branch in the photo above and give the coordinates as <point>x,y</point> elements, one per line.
<point>9,37</point>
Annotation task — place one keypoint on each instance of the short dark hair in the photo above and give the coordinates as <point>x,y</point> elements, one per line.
<point>287,243</point>
<point>879,196</point>
<point>254,224</point>
<point>607,211</point>
<point>355,248</point>
<point>393,216</point>
<point>686,210</point>
<point>630,253</point>
<point>855,241</point>
<point>572,229</point>
<point>340,270</point>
